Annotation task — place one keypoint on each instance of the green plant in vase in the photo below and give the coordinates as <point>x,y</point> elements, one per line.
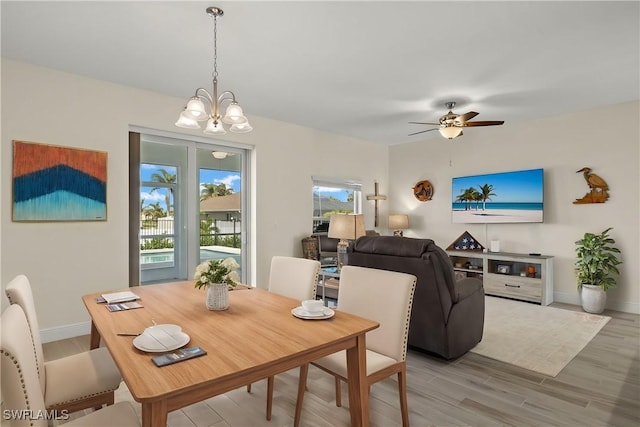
<point>596,268</point>
<point>217,276</point>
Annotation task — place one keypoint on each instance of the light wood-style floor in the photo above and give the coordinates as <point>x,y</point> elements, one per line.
<point>600,387</point>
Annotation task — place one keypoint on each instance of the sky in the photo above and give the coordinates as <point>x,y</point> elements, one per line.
<point>332,192</point>
<point>519,186</point>
<point>232,179</point>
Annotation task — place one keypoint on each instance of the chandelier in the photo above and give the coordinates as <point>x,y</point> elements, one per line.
<point>197,106</point>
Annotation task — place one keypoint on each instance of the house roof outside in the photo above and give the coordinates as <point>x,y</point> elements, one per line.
<point>228,203</point>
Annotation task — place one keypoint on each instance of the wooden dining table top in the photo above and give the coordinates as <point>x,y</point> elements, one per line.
<point>256,337</point>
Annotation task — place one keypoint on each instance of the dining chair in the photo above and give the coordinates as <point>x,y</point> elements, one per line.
<point>383,296</point>
<point>23,400</point>
<point>83,380</point>
<point>294,278</point>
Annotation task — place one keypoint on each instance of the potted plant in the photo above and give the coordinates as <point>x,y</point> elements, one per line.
<point>596,269</point>
<point>217,275</point>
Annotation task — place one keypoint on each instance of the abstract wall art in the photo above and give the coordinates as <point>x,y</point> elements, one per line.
<point>53,183</point>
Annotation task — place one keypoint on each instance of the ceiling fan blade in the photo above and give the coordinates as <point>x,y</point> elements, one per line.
<point>467,116</point>
<point>424,123</point>
<point>422,131</point>
<point>485,123</point>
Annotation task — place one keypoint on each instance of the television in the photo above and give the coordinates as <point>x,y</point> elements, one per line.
<point>505,197</point>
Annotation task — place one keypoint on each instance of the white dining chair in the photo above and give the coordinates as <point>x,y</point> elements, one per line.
<point>83,380</point>
<point>383,296</point>
<point>23,400</point>
<point>294,278</point>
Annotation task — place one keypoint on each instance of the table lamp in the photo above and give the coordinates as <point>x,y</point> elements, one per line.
<point>345,227</point>
<point>398,222</point>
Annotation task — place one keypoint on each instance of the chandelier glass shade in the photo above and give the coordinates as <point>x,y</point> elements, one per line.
<point>205,106</point>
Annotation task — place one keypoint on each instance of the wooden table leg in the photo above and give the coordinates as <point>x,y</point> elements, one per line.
<point>95,337</point>
<point>358,388</point>
<point>154,414</point>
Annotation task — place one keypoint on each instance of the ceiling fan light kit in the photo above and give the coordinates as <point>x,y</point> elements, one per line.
<point>451,124</point>
<point>196,109</point>
<point>450,131</point>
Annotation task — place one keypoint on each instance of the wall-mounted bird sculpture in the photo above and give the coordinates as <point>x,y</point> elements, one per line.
<point>598,188</point>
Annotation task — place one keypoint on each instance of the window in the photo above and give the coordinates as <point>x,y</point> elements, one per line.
<point>331,196</point>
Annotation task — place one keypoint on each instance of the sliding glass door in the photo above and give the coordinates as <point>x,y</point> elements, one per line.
<point>192,207</point>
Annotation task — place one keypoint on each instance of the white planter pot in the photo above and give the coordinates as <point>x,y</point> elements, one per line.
<point>217,297</point>
<point>593,298</point>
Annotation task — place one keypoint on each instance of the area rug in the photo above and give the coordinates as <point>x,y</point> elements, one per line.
<point>539,338</point>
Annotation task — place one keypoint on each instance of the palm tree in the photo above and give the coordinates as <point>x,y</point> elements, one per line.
<point>214,190</point>
<point>154,211</point>
<point>462,198</point>
<point>474,196</point>
<point>166,178</point>
<point>468,195</point>
<point>485,194</point>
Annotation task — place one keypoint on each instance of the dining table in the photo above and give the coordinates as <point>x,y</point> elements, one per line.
<point>256,337</point>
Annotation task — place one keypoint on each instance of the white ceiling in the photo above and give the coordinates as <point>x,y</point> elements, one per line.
<point>362,69</point>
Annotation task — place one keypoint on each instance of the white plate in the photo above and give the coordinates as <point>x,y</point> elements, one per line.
<point>159,339</point>
<point>300,312</point>
<point>166,327</point>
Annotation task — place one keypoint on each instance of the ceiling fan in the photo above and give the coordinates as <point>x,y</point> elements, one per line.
<point>451,124</point>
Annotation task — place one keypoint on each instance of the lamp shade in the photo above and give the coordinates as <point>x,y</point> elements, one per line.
<point>398,222</point>
<point>450,132</point>
<point>214,128</point>
<point>187,122</point>
<point>346,227</point>
<point>234,115</point>
<point>195,109</point>
<point>241,127</point>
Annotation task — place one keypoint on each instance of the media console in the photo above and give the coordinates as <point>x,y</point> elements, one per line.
<point>519,276</point>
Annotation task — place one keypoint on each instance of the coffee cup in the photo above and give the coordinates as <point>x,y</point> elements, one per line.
<point>313,305</point>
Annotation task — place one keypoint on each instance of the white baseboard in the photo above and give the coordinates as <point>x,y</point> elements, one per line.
<point>63,332</point>
<point>574,298</point>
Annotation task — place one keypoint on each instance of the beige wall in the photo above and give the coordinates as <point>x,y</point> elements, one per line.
<point>67,260</point>
<point>606,139</point>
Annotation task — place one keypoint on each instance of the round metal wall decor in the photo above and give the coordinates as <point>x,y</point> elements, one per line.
<point>423,190</point>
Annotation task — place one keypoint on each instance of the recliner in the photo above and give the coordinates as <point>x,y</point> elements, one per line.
<point>447,318</point>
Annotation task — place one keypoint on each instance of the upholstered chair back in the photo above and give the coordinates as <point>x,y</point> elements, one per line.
<point>294,277</point>
<point>20,384</point>
<point>19,292</point>
<point>383,296</point>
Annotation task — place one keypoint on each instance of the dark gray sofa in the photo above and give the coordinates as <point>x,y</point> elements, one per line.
<point>447,317</point>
